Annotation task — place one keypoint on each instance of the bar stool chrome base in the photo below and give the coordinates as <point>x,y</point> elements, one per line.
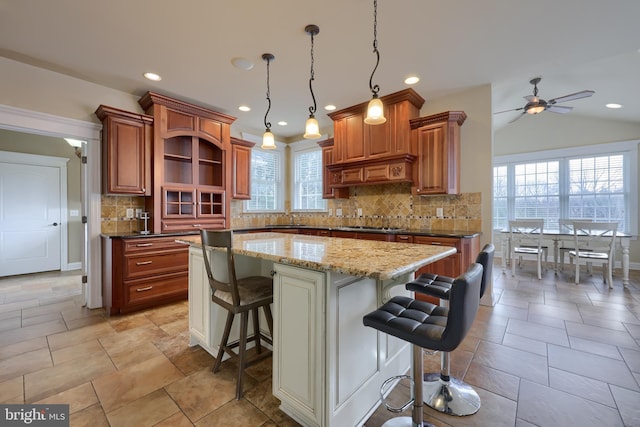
<point>453,397</point>
<point>405,422</point>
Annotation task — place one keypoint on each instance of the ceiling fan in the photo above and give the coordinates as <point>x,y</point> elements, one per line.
<point>536,105</point>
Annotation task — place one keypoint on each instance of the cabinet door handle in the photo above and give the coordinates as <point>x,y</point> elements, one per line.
<point>403,238</point>
<point>148,288</point>
<point>144,245</point>
<point>436,243</point>
<point>144,263</point>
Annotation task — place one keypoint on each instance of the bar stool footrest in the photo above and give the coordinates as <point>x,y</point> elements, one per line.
<point>385,387</point>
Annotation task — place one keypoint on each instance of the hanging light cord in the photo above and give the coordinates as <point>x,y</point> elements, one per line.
<point>375,88</point>
<point>312,110</point>
<point>268,124</point>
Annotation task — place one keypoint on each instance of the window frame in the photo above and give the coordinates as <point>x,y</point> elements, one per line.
<point>629,150</point>
<point>280,189</point>
<point>297,148</point>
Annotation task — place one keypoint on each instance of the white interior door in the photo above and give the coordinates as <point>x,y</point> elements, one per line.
<point>30,218</point>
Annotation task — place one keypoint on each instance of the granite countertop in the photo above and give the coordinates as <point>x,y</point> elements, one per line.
<point>362,258</point>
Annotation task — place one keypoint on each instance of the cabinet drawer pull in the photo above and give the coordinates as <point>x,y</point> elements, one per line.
<point>144,245</point>
<point>148,288</point>
<point>144,263</point>
<point>436,243</point>
<point>403,237</point>
<point>196,225</point>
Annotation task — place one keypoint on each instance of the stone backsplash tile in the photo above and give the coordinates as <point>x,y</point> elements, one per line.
<point>113,212</point>
<point>390,205</point>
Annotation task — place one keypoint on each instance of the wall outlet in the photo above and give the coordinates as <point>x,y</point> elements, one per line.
<point>330,211</point>
<point>439,213</point>
<point>129,212</point>
<point>339,212</point>
<point>359,212</point>
<point>74,212</point>
<point>138,213</point>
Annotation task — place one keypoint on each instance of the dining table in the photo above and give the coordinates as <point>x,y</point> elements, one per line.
<point>557,236</point>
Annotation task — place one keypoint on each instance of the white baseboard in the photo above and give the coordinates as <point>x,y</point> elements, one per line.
<point>72,266</point>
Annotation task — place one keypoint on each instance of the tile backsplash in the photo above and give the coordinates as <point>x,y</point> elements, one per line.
<point>389,205</point>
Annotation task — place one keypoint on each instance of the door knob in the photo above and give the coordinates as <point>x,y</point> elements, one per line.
<point>55,224</point>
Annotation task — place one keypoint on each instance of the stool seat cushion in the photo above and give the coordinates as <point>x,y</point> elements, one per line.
<point>432,284</point>
<point>252,290</point>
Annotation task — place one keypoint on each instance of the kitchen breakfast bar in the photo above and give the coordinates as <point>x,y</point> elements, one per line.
<point>327,367</point>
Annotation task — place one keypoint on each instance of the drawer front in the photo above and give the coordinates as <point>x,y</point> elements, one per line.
<point>441,241</point>
<point>142,265</point>
<point>140,291</point>
<point>169,226</point>
<point>152,244</point>
<point>404,238</point>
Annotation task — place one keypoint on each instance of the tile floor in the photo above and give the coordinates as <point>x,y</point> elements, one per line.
<point>549,353</point>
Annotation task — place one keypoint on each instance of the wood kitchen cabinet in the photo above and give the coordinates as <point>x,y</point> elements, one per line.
<point>193,172</point>
<point>329,192</point>
<point>126,151</point>
<point>143,272</point>
<point>241,164</point>
<point>436,141</point>
<point>374,154</point>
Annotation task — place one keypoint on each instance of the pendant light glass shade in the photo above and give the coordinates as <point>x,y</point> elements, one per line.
<point>312,130</point>
<point>375,109</point>
<point>268,142</point>
<point>375,112</point>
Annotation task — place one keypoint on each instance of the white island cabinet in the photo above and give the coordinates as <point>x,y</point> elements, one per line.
<point>327,367</point>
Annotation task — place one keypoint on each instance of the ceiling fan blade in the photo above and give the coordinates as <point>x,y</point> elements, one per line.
<point>571,97</point>
<point>517,117</point>
<point>559,109</point>
<point>507,111</point>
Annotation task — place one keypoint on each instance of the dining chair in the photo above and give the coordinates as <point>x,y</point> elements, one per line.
<point>599,238</point>
<point>237,296</point>
<point>566,227</point>
<point>526,242</point>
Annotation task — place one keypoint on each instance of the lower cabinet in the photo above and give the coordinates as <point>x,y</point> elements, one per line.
<point>143,272</point>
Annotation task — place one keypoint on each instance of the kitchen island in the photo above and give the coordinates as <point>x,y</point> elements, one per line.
<point>327,367</point>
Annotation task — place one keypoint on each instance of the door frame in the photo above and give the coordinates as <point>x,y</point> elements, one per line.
<point>27,121</point>
<point>61,164</point>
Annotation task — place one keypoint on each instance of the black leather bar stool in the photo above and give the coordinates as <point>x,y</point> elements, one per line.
<point>441,391</point>
<point>429,326</point>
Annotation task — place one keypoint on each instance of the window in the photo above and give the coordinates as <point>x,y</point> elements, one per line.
<point>267,183</point>
<point>592,182</point>
<point>306,187</point>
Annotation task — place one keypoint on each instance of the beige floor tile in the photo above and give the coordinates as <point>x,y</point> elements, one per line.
<point>237,413</point>
<point>22,347</point>
<point>77,336</point>
<point>28,332</point>
<point>193,359</point>
<point>146,411</point>
<point>93,416</point>
<point>24,363</point>
<point>174,346</point>
<point>133,355</point>
<point>168,313</point>
<point>13,306</point>
<point>131,321</point>
<point>493,380</point>
<point>175,327</point>
<point>176,420</point>
<point>12,391</point>
<point>46,317</point>
<point>9,314</point>
<point>47,309</point>
<point>203,392</point>
<point>64,376</point>
<point>119,388</point>
<point>130,338</point>
<point>84,321</point>
<point>10,323</point>
<point>79,312</point>
<point>74,351</point>
<point>78,398</point>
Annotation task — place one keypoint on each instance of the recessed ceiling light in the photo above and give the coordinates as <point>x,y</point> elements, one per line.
<point>283,123</point>
<point>411,80</point>
<point>614,106</point>
<point>242,63</point>
<point>330,107</point>
<point>152,76</point>
<point>244,108</point>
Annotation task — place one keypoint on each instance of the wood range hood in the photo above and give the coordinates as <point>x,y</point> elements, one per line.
<point>364,154</point>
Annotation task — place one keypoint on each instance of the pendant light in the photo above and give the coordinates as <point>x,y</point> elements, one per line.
<point>375,109</point>
<point>311,129</point>
<point>268,142</point>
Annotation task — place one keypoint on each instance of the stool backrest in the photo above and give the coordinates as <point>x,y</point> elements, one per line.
<point>485,257</point>
<point>224,281</point>
<point>464,301</point>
